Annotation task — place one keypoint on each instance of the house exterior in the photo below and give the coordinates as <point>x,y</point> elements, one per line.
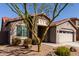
<point>62,31</point>
<point>18,29</point>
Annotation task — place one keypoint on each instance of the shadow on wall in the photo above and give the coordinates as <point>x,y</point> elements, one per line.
<point>4,37</point>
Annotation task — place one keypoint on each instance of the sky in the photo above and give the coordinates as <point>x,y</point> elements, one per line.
<point>70,11</point>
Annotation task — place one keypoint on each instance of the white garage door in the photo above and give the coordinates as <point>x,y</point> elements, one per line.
<point>65,36</point>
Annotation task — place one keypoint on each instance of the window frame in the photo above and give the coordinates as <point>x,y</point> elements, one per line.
<point>22,35</point>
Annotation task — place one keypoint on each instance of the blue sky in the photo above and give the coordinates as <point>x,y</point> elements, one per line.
<point>70,11</point>
<point>5,12</point>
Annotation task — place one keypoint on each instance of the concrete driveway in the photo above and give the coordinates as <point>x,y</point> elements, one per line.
<point>74,44</point>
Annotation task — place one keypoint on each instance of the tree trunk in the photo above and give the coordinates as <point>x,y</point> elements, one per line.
<point>39,47</point>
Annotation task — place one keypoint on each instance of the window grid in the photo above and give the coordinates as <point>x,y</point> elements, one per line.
<point>22,31</point>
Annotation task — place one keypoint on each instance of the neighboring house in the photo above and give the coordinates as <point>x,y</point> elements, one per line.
<point>61,31</point>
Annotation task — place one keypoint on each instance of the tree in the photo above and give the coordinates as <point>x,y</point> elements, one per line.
<point>24,13</point>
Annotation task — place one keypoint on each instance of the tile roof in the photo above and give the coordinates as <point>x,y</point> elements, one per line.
<point>19,18</point>
<point>62,21</point>
<point>42,14</point>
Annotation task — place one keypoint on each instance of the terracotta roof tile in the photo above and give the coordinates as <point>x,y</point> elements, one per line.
<point>62,21</point>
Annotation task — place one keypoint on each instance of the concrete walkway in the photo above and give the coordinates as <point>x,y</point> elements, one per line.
<point>74,44</point>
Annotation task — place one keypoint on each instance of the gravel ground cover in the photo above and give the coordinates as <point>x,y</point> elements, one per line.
<point>20,51</point>
<point>46,50</point>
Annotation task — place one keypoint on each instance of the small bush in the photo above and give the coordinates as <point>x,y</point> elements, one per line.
<point>62,51</point>
<point>34,42</point>
<point>16,41</point>
<point>27,43</point>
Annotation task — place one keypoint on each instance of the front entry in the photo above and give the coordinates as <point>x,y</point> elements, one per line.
<point>41,30</point>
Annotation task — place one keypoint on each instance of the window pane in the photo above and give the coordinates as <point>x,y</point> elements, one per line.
<point>19,31</point>
<point>24,31</point>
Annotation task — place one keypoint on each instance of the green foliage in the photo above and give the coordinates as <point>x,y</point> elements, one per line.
<point>16,41</point>
<point>62,51</point>
<point>27,43</point>
<point>34,42</point>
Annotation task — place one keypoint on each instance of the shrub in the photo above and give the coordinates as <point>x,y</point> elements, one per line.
<point>16,41</point>
<point>27,43</point>
<point>62,51</point>
<point>34,42</point>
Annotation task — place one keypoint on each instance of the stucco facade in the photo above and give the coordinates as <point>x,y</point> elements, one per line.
<point>65,27</point>
<point>41,23</point>
<point>59,32</point>
<point>68,33</point>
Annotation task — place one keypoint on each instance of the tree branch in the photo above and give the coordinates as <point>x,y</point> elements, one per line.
<point>60,11</point>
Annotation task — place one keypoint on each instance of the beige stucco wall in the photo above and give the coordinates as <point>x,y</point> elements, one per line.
<point>65,25</point>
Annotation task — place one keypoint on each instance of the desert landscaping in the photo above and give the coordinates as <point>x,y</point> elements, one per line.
<point>46,50</point>
<point>20,51</point>
<point>39,32</point>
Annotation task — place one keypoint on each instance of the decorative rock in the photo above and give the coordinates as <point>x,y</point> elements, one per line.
<point>73,49</point>
<point>51,54</point>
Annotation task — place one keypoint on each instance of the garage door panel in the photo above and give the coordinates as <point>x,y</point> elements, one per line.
<point>65,36</point>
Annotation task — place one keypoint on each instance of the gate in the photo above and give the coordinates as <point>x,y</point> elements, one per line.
<point>4,37</point>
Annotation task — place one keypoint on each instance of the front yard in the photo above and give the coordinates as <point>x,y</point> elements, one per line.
<point>19,51</point>
<point>6,50</point>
